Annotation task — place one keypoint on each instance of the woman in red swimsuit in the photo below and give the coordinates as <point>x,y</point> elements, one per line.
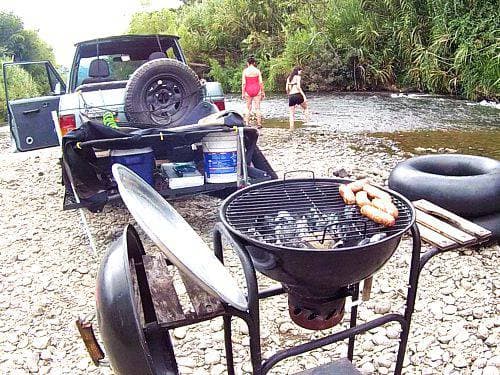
<point>252,90</point>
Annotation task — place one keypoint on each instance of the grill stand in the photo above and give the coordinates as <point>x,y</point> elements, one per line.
<point>251,317</point>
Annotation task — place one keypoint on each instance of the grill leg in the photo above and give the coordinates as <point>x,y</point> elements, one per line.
<point>354,315</point>
<point>228,344</point>
<point>255,349</point>
<point>410,298</point>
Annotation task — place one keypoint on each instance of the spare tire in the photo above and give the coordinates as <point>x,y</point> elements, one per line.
<point>465,184</point>
<point>161,93</point>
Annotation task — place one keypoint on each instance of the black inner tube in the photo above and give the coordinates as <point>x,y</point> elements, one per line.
<point>465,184</point>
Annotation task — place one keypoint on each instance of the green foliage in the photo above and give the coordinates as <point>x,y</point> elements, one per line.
<point>24,45</point>
<point>438,46</point>
<point>20,85</point>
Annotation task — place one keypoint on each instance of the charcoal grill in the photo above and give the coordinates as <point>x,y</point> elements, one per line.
<point>301,233</point>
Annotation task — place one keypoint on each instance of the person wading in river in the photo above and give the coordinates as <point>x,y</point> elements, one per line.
<point>296,95</point>
<point>252,90</point>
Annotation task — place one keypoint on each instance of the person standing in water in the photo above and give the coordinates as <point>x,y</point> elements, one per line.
<point>252,90</point>
<point>296,95</point>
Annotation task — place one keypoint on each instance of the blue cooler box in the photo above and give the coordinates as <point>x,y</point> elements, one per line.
<point>139,160</point>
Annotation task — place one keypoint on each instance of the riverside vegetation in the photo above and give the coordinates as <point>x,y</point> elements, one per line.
<point>436,46</point>
<point>19,44</point>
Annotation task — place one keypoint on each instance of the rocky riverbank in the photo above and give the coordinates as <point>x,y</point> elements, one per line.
<point>48,275</point>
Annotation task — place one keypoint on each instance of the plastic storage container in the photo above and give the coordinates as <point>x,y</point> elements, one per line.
<point>219,151</point>
<point>139,160</point>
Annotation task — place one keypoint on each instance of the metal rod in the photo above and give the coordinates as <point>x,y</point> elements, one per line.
<point>410,298</point>
<point>228,344</point>
<point>352,322</point>
<point>275,290</point>
<point>318,343</point>
<point>252,318</point>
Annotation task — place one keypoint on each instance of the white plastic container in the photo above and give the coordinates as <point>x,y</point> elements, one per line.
<point>219,151</point>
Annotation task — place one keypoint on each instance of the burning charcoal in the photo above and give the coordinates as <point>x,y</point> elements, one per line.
<point>264,224</point>
<point>363,242</point>
<point>349,212</point>
<point>314,219</point>
<point>302,227</point>
<point>377,237</point>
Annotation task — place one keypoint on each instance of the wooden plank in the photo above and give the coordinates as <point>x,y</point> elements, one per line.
<point>165,299</point>
<point>436,239</point>
<point>445,229</point>
<point>137,294</point>
<point>463,224</point>
<point>203,303</point>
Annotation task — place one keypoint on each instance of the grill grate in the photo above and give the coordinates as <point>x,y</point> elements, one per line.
<point>306,214</point>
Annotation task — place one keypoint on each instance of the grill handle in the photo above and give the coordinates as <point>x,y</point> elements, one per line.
<point>298,171</point>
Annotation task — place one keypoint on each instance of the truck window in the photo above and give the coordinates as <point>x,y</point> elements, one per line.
<point>121,66</point>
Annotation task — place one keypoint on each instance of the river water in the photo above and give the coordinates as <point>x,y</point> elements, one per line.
<point>417,123</point>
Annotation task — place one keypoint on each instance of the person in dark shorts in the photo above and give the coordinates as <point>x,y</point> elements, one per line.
<point>296,95</point>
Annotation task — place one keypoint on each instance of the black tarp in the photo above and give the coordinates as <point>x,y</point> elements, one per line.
<point>91,177</point>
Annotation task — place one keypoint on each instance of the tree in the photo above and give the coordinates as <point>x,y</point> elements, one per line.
<point>23,45</point>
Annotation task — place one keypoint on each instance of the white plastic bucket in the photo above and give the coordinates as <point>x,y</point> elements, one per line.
<point>219,151</point>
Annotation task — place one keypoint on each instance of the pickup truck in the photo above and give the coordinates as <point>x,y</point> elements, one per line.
<point>100,80</point>
<point>138,82</point>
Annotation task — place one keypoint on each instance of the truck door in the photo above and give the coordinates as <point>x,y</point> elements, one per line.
<point>30,119</point>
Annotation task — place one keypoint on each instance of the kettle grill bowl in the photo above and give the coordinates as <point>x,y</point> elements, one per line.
<point>319,272</point>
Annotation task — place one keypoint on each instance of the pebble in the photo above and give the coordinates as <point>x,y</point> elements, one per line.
<point>47,280</point>
<point>180,333</point>
<point>212,357</point>
<point>379,339</point>
<point>41,342</point>
<point>491,370</point>
<point>450,310</point>
<point>459,361</point>
<point>383,307</point>
<point>462,337</point>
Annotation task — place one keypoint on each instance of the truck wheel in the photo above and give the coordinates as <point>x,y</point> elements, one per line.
<point>161,93</point>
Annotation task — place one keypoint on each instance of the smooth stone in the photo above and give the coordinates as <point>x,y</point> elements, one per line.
<point>383,307</point>
<point>462,337</point>
<point>212,357</point>
<point>491,370</point>
<point>435,354</point>
<point>450,310</point>
<point>367,368</point>
<point>459,361</point>
<point>186,362</point>
<point>380,339</point>
<point>218,369</point>
<point>216,325</point>
<point>393,333</point>
<point>41,342</point>
<point>286,327</point>
<point>180,333</point>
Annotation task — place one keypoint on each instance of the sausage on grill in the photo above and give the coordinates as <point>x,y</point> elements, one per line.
<point>385,206</point>
<point>362,198</point>
<point>377,215</point>
<point>374,192</point>
<point>357,185</point>
<point>347,194</point>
